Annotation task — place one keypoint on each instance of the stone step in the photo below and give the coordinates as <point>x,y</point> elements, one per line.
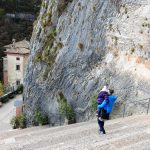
<point>47,132</point>
<point>141,145</point>
<point>86,142</point>
<point>14,132</point>
<point>117,144</point>
<point>105,139</point>
<point>38,130</point>
<point>41,140</point>
<point>89,126</point>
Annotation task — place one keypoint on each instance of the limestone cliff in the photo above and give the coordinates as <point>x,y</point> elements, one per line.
<point>78,46</point>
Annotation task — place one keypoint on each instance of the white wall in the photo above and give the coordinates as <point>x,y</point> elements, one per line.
<point>13,74</point>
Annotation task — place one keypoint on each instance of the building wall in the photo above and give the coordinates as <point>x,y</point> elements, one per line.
<point>5,78</point>
<point>13,74</point>
<point>5,72</point>
<point>25,61</point>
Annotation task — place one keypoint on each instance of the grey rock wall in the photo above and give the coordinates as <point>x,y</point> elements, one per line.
<point>79,46</point>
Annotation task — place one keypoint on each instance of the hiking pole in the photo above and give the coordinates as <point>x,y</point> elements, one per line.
<point>148,105</point>
<point>124,107</point>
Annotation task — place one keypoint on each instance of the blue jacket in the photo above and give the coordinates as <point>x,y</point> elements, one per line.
<point>108,106</point>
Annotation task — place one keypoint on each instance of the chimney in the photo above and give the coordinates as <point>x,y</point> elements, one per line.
<point>13,43</point>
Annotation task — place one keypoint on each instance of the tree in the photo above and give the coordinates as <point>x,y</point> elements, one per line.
<point>1,89</point>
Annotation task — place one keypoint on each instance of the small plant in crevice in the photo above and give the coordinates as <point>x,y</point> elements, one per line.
<point>115,53</point>
<point>126,10</point>
<point>140,46</point>
<point>132,50</point>
<point>94,7</point>
<point>80,46</point>
<point>37,58</point>
<point>146,18</point>
<point>79,6</point>
<point>46,72</point>
<point>117,4</point>
<point>141,31</point>
<point>62,6</point>
<point>110,27</point>
<point>115,40</point>
<point>65,108</point>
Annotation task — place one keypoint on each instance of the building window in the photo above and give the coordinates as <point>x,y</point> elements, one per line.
<point>17,58</point>
<point>18,82</point>
<point>17,67</point>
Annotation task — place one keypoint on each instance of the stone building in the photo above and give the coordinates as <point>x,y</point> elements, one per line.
<point>14,63</point>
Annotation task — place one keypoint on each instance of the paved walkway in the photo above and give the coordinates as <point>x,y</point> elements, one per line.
<point>7,111</point>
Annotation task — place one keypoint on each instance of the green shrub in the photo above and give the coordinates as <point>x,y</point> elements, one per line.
<point>41,118</point>
<point>93,104</point>
<point>18,121</point>
<point>66,108</point>
<point>20,89</point>
<point>22,121</point>
<point>1,89</point>
<point>14,122</point>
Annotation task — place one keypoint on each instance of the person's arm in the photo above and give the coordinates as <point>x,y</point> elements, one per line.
<point>102,105</point>
<point>106,97</point>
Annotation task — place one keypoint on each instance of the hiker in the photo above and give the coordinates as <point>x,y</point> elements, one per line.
<point>104,109</point>
<point>103,95</point>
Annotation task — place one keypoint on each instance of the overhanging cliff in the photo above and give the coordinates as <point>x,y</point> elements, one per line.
<point>78,46</point>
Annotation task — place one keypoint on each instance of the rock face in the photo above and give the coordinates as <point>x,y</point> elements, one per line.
<point>78,46</point>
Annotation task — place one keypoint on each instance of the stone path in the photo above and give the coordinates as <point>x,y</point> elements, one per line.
<point>7,111</point>
<point>130,133</point>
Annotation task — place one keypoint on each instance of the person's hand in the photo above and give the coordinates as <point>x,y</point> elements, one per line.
<point>100,119</point>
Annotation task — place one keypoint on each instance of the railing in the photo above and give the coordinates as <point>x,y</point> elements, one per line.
<point>86,114</point>
<point>58,119</point>
<point>146,105</point>
<point>10,91</point>
<point>10,88</point>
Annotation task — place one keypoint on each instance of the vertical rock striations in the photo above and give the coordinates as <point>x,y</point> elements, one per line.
<point>78,46</point>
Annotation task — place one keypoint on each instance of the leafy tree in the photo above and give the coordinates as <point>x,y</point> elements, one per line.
<point>2,12</point>
<point>13,6</point>
<point>1,89</point>
<point>12,28</point>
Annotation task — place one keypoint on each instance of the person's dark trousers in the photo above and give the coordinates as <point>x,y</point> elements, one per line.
<point>101,126</point>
